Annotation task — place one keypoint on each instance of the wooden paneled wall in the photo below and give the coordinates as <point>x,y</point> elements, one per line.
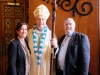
<point>86,24</point>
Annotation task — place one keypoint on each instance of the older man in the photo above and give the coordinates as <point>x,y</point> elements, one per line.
<point>74,55</point>
<point>39,41</point>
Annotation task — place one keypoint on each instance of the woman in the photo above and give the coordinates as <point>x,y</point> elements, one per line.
<point>18,52</point>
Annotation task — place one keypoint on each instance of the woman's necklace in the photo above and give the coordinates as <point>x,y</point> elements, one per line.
<point>38,50</point>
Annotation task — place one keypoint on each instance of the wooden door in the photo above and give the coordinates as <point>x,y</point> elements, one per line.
<point>11,15</point>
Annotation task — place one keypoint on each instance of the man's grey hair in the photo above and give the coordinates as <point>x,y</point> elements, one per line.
<point>71,19</point>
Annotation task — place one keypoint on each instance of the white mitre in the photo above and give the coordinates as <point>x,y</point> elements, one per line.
<point>41,10</point>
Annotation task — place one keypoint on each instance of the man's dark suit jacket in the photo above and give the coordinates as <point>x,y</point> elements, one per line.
<point>16,58</point>
<point>77,57</point>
